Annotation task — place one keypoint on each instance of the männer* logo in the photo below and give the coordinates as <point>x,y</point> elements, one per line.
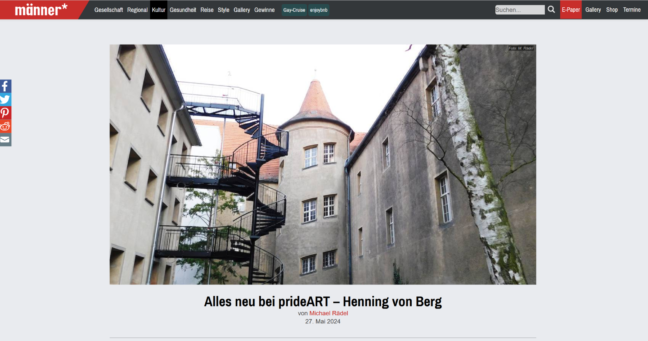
<point>39,11</point>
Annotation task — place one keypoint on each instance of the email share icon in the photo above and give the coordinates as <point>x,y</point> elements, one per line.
<point>5,140</point>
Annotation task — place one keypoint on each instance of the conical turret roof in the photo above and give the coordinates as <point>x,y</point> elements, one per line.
<point>315,107</point>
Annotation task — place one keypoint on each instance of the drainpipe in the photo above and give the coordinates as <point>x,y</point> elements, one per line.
<point>161,198</point>
<point>348,212</point>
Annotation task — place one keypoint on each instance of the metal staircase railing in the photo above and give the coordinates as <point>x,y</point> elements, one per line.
<point>239,173</point>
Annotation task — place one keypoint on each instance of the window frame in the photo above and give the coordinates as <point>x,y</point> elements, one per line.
<point>434,106</point>
<point>312,210</point>
<point>329,206</point>
<point>307,157</point>
<point>326,256</point>
<point>312,267</point>
<point>331,155</point>
<point>391,227</point>
<point>444,198</point>
<point>386,153</point>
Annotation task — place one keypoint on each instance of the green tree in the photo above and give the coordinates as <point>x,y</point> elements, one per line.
<point>209,202</point>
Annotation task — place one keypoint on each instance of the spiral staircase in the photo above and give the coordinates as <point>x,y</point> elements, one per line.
<point>237,173</point>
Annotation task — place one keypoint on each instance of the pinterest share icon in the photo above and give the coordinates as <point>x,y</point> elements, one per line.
<point>5,113</point>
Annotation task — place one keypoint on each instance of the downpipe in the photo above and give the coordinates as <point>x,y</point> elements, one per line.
<point>161,197</point>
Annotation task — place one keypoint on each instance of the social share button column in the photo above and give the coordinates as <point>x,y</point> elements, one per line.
<point>5,113</point>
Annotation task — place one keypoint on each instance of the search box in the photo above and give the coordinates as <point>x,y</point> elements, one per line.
<point>519,10</point>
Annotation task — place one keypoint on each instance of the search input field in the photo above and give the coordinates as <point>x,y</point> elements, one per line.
<point>520,10</point>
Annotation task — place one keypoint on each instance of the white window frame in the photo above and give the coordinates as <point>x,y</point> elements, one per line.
<point>308,264</point>
<point>386,153</point>
<point>309,210</point>
<point>391,230</point>
<point>444,198</point>
<point>329,155</point>
<point>310,157</point>
<point>329,205</point>
<point>330,257</point>
<point>435,104</point>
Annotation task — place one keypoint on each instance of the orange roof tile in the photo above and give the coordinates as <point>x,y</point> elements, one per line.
<point>356,141</point>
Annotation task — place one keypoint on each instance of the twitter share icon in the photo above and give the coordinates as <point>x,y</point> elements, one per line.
<point>5,99</point>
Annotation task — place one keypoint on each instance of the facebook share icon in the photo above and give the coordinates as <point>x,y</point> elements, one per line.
<point>5,85</point>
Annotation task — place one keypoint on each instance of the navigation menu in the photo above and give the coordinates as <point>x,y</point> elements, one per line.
<point>383,10</point>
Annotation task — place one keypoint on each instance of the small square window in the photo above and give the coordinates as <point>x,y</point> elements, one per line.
<point>151,187</point>
<point>329,205</point>
<point>148,87</point>
<point>308,264</point>
<point>126,58</point>
<point>114,135</point>
<point>138,270</point>
<point>310,210</point>
<point>163,118</point>
<point>116,262</point>
<point>329,153</point>
<point>176,212</point>
<point>310,157</point>
<point>329,259</point>
<point>132,169</point>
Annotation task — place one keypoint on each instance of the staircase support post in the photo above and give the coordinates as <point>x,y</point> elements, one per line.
<point>253,236</point>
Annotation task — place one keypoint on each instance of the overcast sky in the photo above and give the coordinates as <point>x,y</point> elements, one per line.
<point>357,79</point>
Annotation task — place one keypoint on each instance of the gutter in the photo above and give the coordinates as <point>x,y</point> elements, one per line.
<point>398,93</point>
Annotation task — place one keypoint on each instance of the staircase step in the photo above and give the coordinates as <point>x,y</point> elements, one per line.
<point>249,123</point>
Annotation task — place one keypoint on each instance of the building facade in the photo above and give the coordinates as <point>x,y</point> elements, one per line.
<point>143,97</point>
<point>407,219</point>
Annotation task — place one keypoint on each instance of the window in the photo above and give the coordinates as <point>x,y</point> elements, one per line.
<point>150,188</point>
<point>329,259</point>
<point>164,207</point>
<point>386,155</point>
<point>359,183</point>
<point>132,169</point>
<point>435,102</point>
<point>116,261</point>
<point>310,156</point>
<point>308,264</point>
<point>176,212</point>
<point>329,206</point>
<point>167,275</point>
<point>114,134</point>
<point>391,234</point>
<point>310,210</point>
<point>163,118</point>
<point>155,272</point>
<point>138,270</point>
<point>147,91</point>
<point>444,196</point>
<point>281,171</point>
<point>360,242</point>
<point>126,58</point>
<point>329,152</point>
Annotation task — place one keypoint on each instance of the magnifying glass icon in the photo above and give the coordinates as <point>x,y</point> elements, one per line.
<point>551,9</point>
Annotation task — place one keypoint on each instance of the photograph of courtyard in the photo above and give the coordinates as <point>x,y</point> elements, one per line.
<point>323,164</point>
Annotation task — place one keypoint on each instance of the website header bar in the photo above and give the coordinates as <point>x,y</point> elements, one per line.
<point>338,10</point>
